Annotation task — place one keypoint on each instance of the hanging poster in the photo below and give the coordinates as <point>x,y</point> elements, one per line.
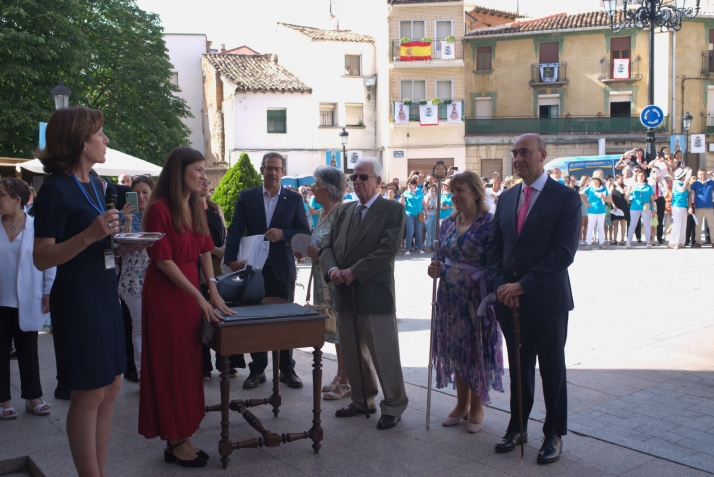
<point>334,158</point>
<point>429,114</point>
<point>677,143</point>
<point>453,112</point>
<point>352,158</point>
<point>401,113</point>
<point>549,72</point>
<point>698,143</point>
<point>448,50</point>
<point>621,68</point>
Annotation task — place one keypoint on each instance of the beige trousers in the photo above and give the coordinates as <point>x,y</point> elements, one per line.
<point>701,214</point>
<point>380,354</point>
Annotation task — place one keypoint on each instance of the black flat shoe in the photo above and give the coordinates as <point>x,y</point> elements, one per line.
<point>253,380</point>
<point>351,411</point>
<point>550,450</point>
<point>510,441</point>
<point>131,376</point>
<point>291,379</point>
<point>387,422</point>
<point>170,457</point>
<point>202,454</point>
<point>62,394</point>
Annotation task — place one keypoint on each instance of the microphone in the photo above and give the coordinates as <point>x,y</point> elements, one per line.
<point>111,200</point>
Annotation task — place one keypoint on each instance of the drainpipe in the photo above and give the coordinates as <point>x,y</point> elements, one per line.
<point>674,83</point>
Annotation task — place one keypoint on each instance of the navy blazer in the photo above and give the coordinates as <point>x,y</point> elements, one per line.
<point>538,257</point>
<point>249,215</point>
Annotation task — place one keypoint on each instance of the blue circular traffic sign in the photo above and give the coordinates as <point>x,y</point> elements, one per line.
<point>651,116</point>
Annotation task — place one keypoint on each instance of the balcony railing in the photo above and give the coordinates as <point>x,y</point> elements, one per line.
<point>414,110</point>
<point>615,70</point>
<point>435,50</point>
<point>562,125</point>
<point>707,62</point>
<point>548,74</point>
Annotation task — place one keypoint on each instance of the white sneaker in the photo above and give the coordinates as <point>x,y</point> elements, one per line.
<point>588,247</point>
<point>603,246</point>
<point>406,254</point>
<point>421,252</point>
<point>582,243</point>
<point>628,246</point>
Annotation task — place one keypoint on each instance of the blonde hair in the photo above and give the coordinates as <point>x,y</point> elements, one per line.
<point>471,179</point>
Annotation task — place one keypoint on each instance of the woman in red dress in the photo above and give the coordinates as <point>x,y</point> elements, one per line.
<point>171,404</point>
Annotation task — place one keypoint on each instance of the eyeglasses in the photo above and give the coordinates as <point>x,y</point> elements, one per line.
<point>523,152</point>
<point>140,176</point>
<point>362,177</point>
<point>272,169</point>
<point>207,182</point>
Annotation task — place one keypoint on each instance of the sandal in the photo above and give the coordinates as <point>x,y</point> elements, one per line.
<point>7,417</point>
<point>340,392</point>
<point>332,386</point>
<point>37,410</point>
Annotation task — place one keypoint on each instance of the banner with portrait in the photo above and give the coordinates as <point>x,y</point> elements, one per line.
<point>454,112</point>
<point>333,158</point>
<point>401,113</point>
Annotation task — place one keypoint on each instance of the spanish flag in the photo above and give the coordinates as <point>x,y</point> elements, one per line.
<point>415,51</point>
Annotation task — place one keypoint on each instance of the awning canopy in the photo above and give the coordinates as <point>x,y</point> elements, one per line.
<point>116,163</point>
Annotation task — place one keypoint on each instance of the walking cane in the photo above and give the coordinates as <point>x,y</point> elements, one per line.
<point>359,351</point>
<point>439,172</point>
<point>517,340</point>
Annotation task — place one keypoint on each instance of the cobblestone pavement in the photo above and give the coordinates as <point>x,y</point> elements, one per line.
<point>640,385</point>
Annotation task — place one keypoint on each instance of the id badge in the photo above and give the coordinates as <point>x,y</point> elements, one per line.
<point>109,259</point>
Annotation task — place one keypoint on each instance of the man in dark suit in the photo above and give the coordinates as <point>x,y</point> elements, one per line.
<point>534,237</point>
<point>359,259</point>
<point>278,214</point>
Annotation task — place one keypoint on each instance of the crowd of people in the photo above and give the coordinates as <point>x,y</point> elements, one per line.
<point>503,245</point>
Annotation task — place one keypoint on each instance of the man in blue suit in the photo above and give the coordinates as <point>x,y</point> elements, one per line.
<point>534,237</point>
<point>278,214</point>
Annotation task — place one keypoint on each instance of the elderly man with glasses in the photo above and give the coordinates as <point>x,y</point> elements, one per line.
<point>359,259</point>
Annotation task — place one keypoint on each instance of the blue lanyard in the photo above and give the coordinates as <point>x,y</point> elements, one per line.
<point>99,209</point>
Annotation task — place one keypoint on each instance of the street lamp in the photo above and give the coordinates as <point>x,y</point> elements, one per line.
<point>61,95</point>
<point>650,14</point>
<point>343,137</point>
<point>686,124</point>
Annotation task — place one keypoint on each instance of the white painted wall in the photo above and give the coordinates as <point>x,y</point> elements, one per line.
<point>185,52</point>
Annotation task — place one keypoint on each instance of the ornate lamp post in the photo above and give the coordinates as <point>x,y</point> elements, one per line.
<point>343,137</point>
<point>686,124</point>
<point>650,14</point>
<point>61,95</point>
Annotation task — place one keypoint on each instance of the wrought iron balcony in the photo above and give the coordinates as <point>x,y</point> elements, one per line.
<point>434,50</point>
<point>548,74</point>
<point>615,70</point>
<point>561,125</point>
<point>414,110</point>
<point>707,63</point>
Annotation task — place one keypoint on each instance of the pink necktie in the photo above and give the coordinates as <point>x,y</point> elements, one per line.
<point>524,207</point>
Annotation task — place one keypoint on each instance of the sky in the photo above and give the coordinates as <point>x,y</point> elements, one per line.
<point>252,22</point>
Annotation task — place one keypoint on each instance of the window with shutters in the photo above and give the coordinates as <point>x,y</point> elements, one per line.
<point>412,29</point>
<point>277,121</point>
<point>353,65</point>
<point>174,78</point>
<point>620,48</point>
<point>444,89</point>
<point>327,114</point>
<point>353,114</point>
<point>711,51</point>
<point>548,105</point>
<point>548,52</point>
<point>483,108</point>
<point>414,89</point>
<point>483,58</point>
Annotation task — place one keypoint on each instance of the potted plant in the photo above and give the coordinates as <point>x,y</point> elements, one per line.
<point>426,39</point>
<point>422,101</point>
<point>447,101</point>
<point>405,40</point>
<point>435,101</point>
<point>407,100</point>
<point>450,39</point>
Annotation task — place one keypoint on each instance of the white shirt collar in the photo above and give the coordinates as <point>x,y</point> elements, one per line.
<point>370,201</point>
<point>265,191</point>
<point>537,184</point>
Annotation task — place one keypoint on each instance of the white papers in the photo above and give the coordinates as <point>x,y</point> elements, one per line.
<point>300,242</point>
<point>617,213</point>
<point>453,112</point>
<point>254,250</point>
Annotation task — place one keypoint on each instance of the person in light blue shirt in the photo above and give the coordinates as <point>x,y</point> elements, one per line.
<point>447,205</point>
<point>701,195</point>
<point>643,201</point>
<point>413,201</point>
<point>598,197</point>
<point>680,204</point>
<point>315,209</point>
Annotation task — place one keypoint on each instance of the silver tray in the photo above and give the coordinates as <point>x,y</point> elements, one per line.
<point>139,239</point>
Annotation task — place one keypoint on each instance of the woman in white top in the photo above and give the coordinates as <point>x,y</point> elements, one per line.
<point>24,299</point>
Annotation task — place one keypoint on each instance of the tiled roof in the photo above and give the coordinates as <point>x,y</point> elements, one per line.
<point>560,21</point>
<point>315,34</point>
<point>491,11</point>
<point>401,2</point>
<point>257,73</point>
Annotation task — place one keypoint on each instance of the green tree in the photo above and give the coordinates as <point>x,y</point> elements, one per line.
<point>110,53</point>
<point>241,176</point>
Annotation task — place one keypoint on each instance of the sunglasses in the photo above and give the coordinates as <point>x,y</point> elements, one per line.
<point>207,182</point>
<point>140,176</point>
<point>362,177</point>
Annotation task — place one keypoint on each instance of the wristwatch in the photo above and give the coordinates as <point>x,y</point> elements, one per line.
<point>213,280</point>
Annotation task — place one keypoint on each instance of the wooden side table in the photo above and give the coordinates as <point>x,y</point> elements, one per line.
<point>265,334</point>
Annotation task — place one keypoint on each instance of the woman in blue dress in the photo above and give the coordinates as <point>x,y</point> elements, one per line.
<point>467,344</point>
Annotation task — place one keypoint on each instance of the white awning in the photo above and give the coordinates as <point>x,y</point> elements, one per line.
<point>116,163</point>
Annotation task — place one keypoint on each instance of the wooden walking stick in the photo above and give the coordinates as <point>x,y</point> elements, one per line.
<point>359,352</point>
<point>517,341</point>
<point>439,172</point>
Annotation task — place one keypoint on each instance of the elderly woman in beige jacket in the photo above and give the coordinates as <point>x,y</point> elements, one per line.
<point>24,299</point>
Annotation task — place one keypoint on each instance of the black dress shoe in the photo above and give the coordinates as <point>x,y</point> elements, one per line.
<point>350,411</point>
<point>202,454</point>
<point>387,422</point>
<point>510,441</point>
<point>292,379</point>
<point>170,457</point>
<point>253,380</point>
<point>550,450</point>
<point>131,376</point>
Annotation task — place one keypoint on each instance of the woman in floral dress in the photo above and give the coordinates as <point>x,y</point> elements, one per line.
<point>329,190</point>
<point>467,345</point>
